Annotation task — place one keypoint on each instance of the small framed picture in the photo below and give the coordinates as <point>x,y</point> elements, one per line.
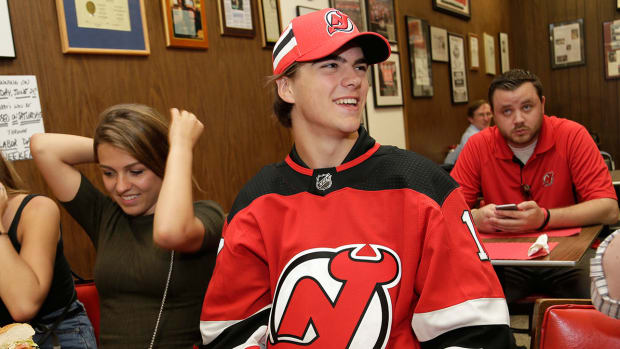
<point>474,52</point>
<point>235,18</point>
<point>504,53</point>
<point>611,49</point>
<point>117,27</point>
<point>419,57</point>
<point>288,9</point>
<point>381,18</point>
<point>304,10</point>
<point>458,8</point>
<point>7,48</point>
<point>567,44</point>
<point>439,44</point>
<point>489,53</point>
<point>458,70</point>
<point>387,82</point>
<point>269,21</point>
<point>356,9</point>
<point>185,23</point>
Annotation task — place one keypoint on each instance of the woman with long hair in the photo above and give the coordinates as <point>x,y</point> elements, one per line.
<point>36,285</point>
<point>155,246</point>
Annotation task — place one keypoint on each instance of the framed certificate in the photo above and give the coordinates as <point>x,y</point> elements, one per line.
<point>103,27</point>
<point>269,21</point>
<point>567,44</point>
<point>236,18</point>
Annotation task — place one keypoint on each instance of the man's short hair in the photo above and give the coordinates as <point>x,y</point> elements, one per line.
<point>473,106</point>
<point>511,80</point>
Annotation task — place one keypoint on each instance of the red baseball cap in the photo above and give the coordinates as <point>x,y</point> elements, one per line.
<point>321,33</point>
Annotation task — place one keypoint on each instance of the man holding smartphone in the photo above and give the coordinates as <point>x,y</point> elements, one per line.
<point>549,167</point>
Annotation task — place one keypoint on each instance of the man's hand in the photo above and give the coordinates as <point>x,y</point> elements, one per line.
<point>528,216</point>
<point>482,218</point>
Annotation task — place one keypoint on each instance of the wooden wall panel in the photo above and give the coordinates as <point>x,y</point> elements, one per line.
<point>223,86</point>
<point>578,93</point>
<point>433,124</point>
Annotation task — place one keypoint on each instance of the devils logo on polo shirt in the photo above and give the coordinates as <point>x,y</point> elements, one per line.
<point>335,298</point>
<point>548,179</point>
<point>338,22</point>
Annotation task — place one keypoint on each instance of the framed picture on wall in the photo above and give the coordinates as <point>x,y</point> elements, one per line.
<point>419,57</point>
<point>458,8</point>
<point>474,51</point>
<point>489,53</point>
<point>185,23</point>
<point>235,18</point>
<point>7,48</point>
<point>504,53</point>
<point>387,82</point>
<point>439,44</point>
<point>381,18</point>
<point>288,9</point>
<point>611,48</point>
<point>269,21</point>
<point>117,27</point>
<point>356,9</point>
<point>303,10</point>
<point>458,70</point>
<point>567,45</point>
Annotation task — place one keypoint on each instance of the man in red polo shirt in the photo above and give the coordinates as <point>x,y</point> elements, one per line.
<point>550,167</point>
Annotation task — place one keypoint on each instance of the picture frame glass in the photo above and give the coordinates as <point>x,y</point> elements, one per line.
<point>236,18</point>
<point>185,23</point>
<point>355,9</point>
<point>7,47</point>
<point>270,22</point>
<point>458,8</point>
<point>504,52</point>
<point>381,18</point>
<point>86,27</point>
<point>567,44</point>
<point>489,54</point>
<point>458,71</point>
<point>387,82</point>
<point>611,48</point>
<point>288,9</point>
<point>474,51</point>
<point>419,57</point>
<point>439,44</point>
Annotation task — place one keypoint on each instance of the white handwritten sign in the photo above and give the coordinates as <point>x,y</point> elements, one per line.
<point>20,115</point>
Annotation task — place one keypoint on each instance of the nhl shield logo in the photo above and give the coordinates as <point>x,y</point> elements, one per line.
<point>324,181</point>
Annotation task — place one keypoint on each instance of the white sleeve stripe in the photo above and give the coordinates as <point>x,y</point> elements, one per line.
<point>476,312</point>
<point>258,338</point>
<point>210,330</point>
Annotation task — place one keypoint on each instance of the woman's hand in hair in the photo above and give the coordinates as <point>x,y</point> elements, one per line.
<point>185,128</point>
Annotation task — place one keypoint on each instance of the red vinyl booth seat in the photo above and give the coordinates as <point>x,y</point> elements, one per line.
<point>568,326</point>
<point>87,294</point>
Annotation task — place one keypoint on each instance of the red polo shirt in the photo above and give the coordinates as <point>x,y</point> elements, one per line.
<point>565,168</point>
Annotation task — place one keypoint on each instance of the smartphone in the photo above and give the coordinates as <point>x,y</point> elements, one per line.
<point>511,207</point>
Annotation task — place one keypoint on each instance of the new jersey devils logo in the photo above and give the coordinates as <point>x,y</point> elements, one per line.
<point>548,179</point>
<point>335,298</point>
<point>338,22</point>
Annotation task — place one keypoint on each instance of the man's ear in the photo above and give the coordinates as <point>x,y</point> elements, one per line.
<point>285,89</point>
<point>543,104</point>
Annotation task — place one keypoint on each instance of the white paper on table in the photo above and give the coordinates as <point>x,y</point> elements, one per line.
<point>540,243</point>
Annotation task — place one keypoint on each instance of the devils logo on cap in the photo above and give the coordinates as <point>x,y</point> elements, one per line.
<point>338,22</point>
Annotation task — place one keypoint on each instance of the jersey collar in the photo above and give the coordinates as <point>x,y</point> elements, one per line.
<point>363,148</point>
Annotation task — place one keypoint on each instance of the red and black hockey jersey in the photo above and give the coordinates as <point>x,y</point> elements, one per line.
<point>379,252</point>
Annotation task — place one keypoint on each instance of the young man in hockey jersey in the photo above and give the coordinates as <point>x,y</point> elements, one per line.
<point>346,243</point>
